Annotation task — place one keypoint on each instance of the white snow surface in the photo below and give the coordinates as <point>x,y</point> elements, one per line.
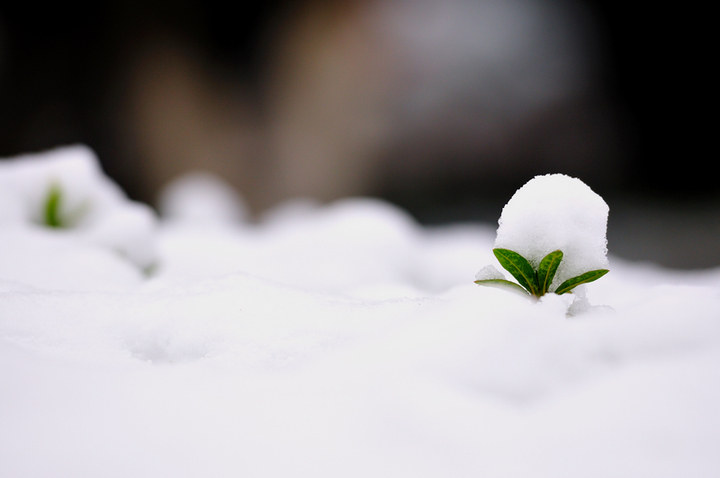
<point>345,341</point>
<point>556,212</point>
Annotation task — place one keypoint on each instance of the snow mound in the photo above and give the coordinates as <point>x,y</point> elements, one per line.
<point>556,212</point>
<point>89,208</point>
<point>202,198</point>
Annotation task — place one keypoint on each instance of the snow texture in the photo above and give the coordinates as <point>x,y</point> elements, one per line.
<point>489,273</point>
<point>556,212</point>
<point>343,341</point>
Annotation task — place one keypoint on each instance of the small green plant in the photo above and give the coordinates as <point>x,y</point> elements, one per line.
<point>536,282</point>
<point>52,215</point>
<point>52,207</point>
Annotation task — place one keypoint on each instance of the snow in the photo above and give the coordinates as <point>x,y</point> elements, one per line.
<point>342,340</point>
<point>556,212</point>
<point>203,199</point>
<point>489,272</point>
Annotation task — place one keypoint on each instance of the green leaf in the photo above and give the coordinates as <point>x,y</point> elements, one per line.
<point>502,284</point>
<point>546,270</point>
<point>570,284</point>
<point>519,267</point>
<point>52,207</point>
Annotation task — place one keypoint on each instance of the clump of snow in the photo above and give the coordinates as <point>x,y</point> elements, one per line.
<point>93,209</point>
<point>556,212</point>
<point>291,211</point>
<point>203,199</point>
<point>489,273</point>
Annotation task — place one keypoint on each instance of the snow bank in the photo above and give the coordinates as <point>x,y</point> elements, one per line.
<point>222,376</point>
<point>346,340</point>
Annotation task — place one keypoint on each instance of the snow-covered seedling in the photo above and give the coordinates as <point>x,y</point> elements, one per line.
<point>66,193</point>
<point>551,237</point>
<point>53,213</point>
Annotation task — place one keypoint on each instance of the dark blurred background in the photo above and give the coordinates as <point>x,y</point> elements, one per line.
<point>444,107</point>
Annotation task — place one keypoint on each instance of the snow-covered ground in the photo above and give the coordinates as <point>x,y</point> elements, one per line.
<point>327,341</point>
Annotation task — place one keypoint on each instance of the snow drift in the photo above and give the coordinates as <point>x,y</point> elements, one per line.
<point>341,340</point>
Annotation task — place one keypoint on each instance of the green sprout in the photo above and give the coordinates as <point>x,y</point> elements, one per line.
<point>536,282</point>
<point>52,207</point>
<point>52,215</point>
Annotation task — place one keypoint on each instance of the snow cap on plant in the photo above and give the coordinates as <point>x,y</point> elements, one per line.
<point>548,214</point>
